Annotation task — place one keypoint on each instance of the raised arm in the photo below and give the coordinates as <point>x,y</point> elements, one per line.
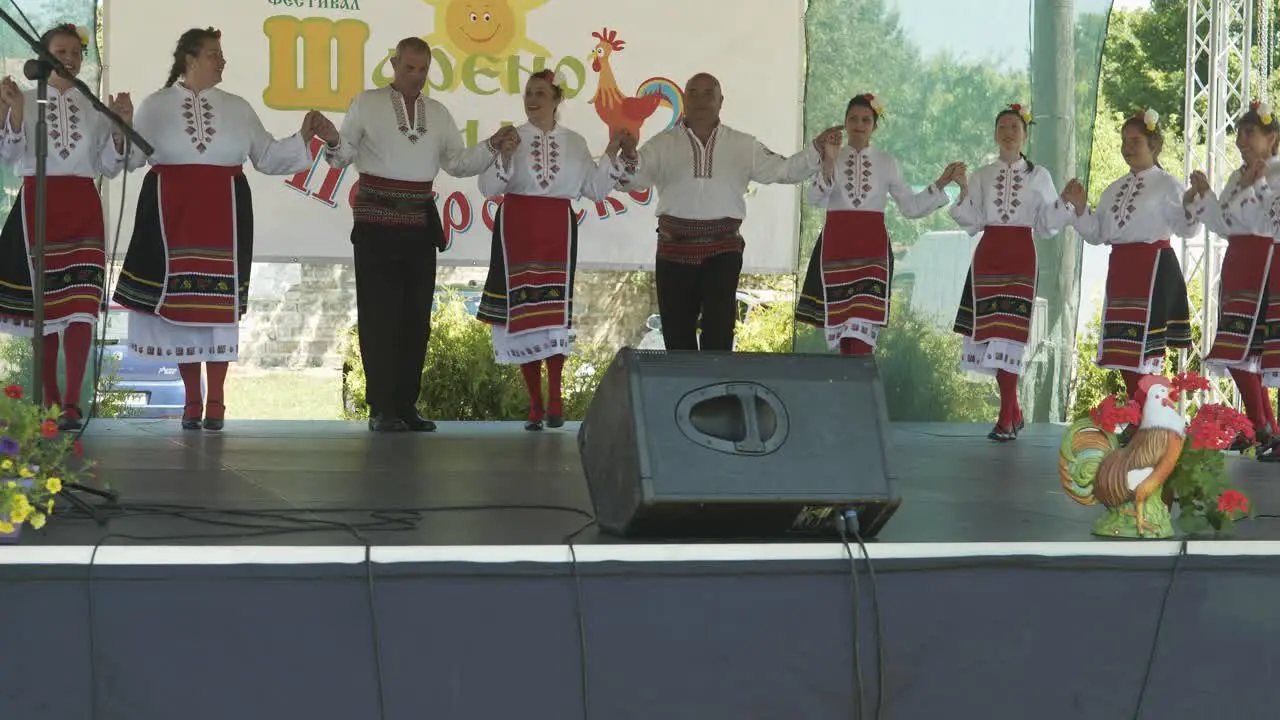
<point>638,169</point>
<point>603,178</point>
<point>1184,224</point>
<point>1055,213</point>
<point>912,204</point>
<point>768,167</point>
<point>14,143</point>
<point>276,157</point>
<point>343,152</point>
<point>967,210</point>
<point>492,182</point>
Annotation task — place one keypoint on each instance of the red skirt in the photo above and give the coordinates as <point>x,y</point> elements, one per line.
<point>536,235</point>
<point>74,261</point>
<point>1146,309</point>
<point>1000,292</point>
<point>855,257</point>
<point>1244,297</point>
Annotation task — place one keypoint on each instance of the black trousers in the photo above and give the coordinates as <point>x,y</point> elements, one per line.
<point>708,290</point>
<point>395,288</point>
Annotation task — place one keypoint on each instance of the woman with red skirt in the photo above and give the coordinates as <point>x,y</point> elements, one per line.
<point>1247,341</point>
<point>1006,202</point>
<point>1146,309</point>
<point>83,145</point>
<point>528,294</point>
<point>847,290</point>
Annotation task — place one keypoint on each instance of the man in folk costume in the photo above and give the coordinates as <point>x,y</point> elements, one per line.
<point>186,275</point>
<point>528,294</point>
<point>1146,309</point>
<point>83,145</point>
<point>700,169</point>
<point>1249,288</point>
<point>1247,341</point>
<point>399,140</point>
<point>848,286</point>
<point>1007,201</point>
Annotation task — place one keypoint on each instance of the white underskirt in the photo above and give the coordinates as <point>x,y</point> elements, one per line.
<point>864,330</point>
<point>25,329</point>
<point>985,359</point>
<point>1223,368</point>
<point>530,346</point>
<point>155,339</point>
<point>1154,366</point>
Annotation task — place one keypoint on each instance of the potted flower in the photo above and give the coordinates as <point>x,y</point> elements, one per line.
<point>36,462</point>
<point>1126,453</point>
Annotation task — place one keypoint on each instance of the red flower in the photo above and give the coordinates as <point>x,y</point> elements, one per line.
<point>1215,427</point>
<point>14,391</point>
<point>1113,412</point>
<point>1188,382</point>
<point>49,429</point>
<point>1231,501</point>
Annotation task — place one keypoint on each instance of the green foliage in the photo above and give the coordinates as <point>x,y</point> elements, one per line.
<point>36,460</point>
<point>463,381</point>
<point>15,369</point>
<point>1198,481</point>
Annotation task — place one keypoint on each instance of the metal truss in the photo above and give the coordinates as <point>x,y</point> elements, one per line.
<point>1218,73</point>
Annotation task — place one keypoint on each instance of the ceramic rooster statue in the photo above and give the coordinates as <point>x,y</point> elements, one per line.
<point>1095,469</point>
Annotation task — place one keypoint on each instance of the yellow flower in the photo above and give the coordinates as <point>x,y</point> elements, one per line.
<point>20,514</point>
<point>6,465</point>
<point>25,472</point>
<point>11,484</point>
<point>5,527</point>
<point>53,485</point>
<point>48,507</point>
<point>21,501</point>
<point>37,521</point>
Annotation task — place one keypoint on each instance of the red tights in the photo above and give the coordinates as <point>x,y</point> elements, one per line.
<point>532,372</point>
<point>77,338</point>
<point>217,373</point>
<point>1010,410</point>
<point>854,346</point>
<point>1257,401</point>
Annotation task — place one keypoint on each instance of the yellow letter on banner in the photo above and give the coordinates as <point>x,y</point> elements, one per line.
<point>318,36</point>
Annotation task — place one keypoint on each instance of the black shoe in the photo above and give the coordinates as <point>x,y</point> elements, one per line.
<point>415,423</point>
<point>215,423</point>
<point>70,420</point>
<point>192,413</point>
<point>555,421</point>
<point>383,423</point>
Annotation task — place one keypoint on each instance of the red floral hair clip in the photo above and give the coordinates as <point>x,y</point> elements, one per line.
<point>217,34</point>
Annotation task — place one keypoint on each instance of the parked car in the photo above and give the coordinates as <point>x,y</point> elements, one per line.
<point>148,389</point>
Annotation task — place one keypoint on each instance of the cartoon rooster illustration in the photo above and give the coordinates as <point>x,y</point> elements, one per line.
<point>1094,469</point>
<point>629,113</point>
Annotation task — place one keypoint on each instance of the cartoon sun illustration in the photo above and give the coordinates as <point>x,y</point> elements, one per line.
<point>494,28</point>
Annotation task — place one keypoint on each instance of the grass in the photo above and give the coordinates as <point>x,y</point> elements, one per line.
<point>283,395</point>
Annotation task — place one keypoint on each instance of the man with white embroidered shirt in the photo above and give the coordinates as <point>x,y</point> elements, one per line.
<point>399,140</point>
<point>700,169</point>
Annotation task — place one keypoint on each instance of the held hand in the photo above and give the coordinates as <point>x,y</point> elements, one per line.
<point>504,135</point>
<point>324,128</point>
<point>831,136</point>
<point>11,95</point>
<point>1199,184</point>
<point>615,144</point>
<point>627,142</point>
<point>122,105</point>
<point>1075,194</point>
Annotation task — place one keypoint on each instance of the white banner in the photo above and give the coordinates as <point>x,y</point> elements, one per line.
<point>289,56</point>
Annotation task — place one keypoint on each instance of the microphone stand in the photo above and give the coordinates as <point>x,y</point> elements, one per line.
<point>39,69</point>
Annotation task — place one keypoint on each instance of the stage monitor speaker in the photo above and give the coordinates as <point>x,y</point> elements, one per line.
<point>715,444</point>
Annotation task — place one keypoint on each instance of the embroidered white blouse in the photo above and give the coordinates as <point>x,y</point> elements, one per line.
<point>707,182</point>
<point>1007,194</point>
<point>214,127</point>
<point>1143,207</point>
<point>866,179</point>
<point>378,137</point>
<point>80,141</point>
<point>1252,210</point>
<point>555,164</point>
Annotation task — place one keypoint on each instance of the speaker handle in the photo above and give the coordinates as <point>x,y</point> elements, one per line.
<point>746,393</point>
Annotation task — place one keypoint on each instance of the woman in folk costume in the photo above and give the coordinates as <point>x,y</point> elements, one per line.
<point>1146,309</point>
<point>1007,201</point>
<point>528,295</point>
<point>1249,292</point>
<point>186,275</point>
<point>847,289</point>
<point>83,145</point>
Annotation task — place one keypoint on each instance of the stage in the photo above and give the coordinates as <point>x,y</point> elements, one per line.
<point>317,570</point>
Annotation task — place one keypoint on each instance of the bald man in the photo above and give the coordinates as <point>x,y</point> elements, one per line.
<point>700,169</point>
<point>399,140</point>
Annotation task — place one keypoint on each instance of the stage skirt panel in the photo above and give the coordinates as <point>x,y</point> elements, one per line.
<point>996,304</point>
<point>848,287</point>
<point>74,257</point>
<point>1146,309</point>
<point>528,293</point>
<point>1244,300</point>
<point>186,275</point>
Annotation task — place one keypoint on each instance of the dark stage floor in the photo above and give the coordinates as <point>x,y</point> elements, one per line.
<point>479,483</point>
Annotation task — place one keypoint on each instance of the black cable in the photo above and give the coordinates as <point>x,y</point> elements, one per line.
<point>882,670</point>
<point>583,678</point>
<point>859,683</point>
<point>1155,639</point>
<point>93,642</point>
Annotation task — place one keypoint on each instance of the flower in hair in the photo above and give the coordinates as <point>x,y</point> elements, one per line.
<point>217,34</point>
<point>875,104</point>
<point>83,34</point>
<point>558,80</point>
<point>1151,118</point>
<point>1023,113</point>
<point>1265,113</point>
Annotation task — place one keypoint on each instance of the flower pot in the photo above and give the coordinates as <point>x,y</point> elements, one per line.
<point>12,537</point>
